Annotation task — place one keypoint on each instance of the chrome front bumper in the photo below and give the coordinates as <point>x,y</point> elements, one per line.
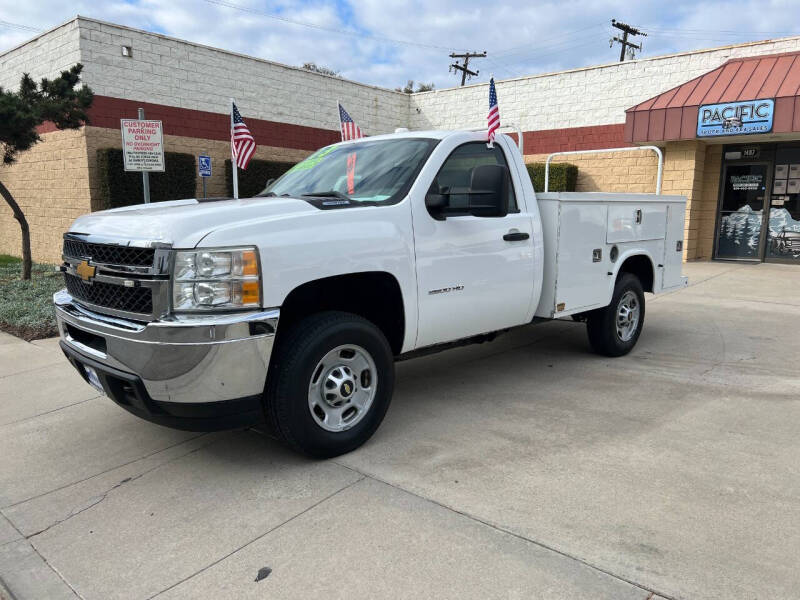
<point>196,359</point>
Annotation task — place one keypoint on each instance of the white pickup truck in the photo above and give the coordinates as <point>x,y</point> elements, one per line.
<point>292,307</point>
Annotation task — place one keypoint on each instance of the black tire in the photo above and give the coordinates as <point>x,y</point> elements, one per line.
<point>299,351</point>
<point>602,323</point>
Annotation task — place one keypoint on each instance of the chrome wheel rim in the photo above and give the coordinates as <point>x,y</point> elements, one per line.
<point>342,388</point>
<point>628,313</point>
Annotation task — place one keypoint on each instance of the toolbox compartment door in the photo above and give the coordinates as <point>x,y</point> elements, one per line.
<point>636,222</point>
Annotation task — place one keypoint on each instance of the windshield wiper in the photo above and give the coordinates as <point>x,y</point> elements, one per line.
<point>328,194</point>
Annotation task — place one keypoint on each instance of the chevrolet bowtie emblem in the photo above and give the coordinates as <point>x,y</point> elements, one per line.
<point>84,270</point>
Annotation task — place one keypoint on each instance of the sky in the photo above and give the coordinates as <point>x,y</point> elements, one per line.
<point>387,42</point>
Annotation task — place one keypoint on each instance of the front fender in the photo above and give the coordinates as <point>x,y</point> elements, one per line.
<point>302,248</point>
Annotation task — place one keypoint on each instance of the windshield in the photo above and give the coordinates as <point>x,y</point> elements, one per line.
<point>368,171</point>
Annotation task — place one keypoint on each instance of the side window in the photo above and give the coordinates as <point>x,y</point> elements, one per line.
<point>456,173</point>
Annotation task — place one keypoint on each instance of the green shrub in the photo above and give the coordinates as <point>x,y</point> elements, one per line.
<point>254,179</point>
<point>563,176</point>
<point>123,188</point>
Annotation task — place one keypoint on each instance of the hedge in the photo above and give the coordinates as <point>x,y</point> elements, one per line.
<point>123,188</point>
<point>254,179</point>
<point>563,176</point>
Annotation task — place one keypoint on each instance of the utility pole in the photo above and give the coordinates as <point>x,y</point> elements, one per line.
<point>625,44</point>
<point>465,67</point>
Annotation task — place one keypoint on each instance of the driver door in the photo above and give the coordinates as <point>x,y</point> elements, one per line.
<point>474,274</point>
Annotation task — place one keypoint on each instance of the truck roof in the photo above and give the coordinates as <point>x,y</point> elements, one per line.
<point>437,134</point>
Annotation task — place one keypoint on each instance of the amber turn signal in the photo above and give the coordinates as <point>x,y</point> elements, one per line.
<point>249,263</point>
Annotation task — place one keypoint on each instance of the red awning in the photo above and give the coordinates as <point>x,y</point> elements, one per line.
<point>673,114</point>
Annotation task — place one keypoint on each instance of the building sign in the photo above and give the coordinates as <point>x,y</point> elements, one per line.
<point>204,165</point>
<point>735,118</point>
<point>142,145</point>
<point>746,183</point>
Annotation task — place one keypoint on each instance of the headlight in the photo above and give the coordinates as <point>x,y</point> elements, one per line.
<point>226,278</point>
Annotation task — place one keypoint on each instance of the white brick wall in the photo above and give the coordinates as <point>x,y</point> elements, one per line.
<point>183,74</point>
<point>43,56</point>
<point>577,98</point>
<point>177,73</point>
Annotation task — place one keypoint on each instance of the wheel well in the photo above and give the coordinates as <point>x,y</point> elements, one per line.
<point>641,266</point>
<point>376,296</point>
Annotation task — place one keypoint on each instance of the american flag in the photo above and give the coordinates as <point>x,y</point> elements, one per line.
<point>350,131</point>
<point>493,118</point>
<point>242,143</point>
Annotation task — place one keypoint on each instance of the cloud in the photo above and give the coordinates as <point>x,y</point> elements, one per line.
<point>521,37</point>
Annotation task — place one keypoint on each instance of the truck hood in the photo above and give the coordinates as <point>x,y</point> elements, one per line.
<point>184,223</point>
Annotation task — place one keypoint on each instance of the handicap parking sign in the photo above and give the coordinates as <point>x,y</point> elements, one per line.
<point>204,165</point>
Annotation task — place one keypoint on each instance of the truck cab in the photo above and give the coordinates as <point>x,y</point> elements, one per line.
<point>292,307</point>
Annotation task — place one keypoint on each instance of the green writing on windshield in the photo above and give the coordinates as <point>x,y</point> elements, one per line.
<point>313,160</point>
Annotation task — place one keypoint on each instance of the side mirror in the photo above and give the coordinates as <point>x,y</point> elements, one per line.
<point>489,191</point>
<point>436,202</point>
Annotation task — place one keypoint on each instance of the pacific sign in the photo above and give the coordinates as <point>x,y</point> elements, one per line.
<point>735,118</point>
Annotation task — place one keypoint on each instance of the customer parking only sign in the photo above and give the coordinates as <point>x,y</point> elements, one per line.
<point>142,145</point>
<point>735,118</point>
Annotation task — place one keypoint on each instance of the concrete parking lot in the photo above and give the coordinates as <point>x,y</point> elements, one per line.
<point>522,468</point>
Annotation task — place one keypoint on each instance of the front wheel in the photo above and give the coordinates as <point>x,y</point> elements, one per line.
<point>615,329</point>
<point>330,384</point>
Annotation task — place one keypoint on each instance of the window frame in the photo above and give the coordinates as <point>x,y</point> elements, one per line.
<point>494,149</point>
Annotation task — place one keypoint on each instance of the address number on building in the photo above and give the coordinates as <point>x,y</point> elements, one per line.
<point>142,145</point>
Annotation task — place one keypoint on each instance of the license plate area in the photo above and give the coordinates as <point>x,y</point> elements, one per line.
<point>93,379</point>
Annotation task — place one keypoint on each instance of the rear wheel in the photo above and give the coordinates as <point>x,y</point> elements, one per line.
<point>330,384</point>
<point>615,329</point>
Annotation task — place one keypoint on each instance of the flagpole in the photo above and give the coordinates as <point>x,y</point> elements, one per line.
<point>339,117</point>
<point>490,143</point>
<point>234,165</point>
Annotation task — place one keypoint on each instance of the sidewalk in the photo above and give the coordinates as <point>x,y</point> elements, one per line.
<point>526,467</point>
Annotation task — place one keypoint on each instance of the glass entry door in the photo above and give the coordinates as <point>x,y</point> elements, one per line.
<point>744,199</point>
<point>783,243</point>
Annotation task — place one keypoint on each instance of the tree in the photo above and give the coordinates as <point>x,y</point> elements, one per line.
<point>409,88</point>
<point>315,68</point>
<point>21,112</point>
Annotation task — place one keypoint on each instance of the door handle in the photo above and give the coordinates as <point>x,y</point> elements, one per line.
<point>516,236</point>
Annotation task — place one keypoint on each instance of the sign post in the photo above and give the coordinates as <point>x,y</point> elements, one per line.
<point>204,168</point>
<point>143,148</point>
<point>145,174</point>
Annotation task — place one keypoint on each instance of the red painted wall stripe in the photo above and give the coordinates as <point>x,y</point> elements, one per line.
<point>593,137</point>
<point>107,112</point>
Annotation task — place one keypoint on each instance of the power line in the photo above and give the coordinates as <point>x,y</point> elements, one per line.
<point>19,27</point>
<point>351,32</point>
<point>731,32</point>
<point>542,42</point>
<point>554,49</point>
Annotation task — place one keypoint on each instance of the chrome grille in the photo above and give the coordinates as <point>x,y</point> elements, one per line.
<point>115,297</point>
<point>109,254</point>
